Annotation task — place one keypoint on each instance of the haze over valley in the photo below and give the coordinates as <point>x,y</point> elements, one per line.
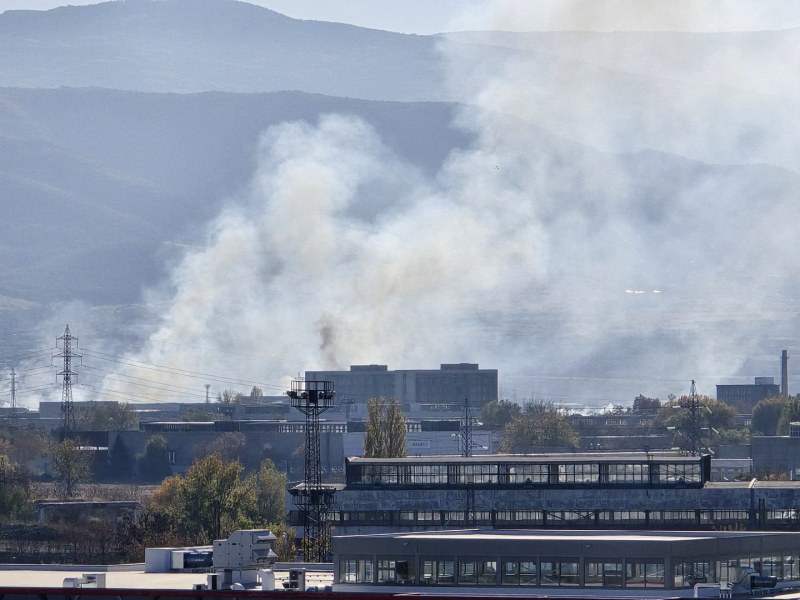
<point>214,188</point>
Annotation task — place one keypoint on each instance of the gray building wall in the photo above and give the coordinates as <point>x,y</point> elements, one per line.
<point>284,449</point>
<point>776,455</point>
<point>745,397</point>
<point>450,384</point>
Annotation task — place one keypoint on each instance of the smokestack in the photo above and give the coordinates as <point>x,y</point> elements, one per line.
<point>785,374</point>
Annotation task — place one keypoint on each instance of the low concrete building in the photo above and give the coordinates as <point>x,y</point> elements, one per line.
<point>424,561</point>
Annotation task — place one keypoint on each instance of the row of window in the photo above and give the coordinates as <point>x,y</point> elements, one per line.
<point>559,518</point>
<point>556,572</point>
<point>614,421</point>
<point>301,428</point>
<point>526,474</point>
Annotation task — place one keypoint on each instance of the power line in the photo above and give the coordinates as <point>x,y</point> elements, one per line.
<point>178,371</point>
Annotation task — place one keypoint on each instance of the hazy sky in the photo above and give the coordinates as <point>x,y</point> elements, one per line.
<point>426,17</point>
<point>622,223</point>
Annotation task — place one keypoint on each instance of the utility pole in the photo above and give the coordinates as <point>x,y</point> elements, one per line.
<point>13,391</point>
<point>785,374</point>
<point>314,500</point>
<point>67,374</point>
<point>208,385</point>
<point>13,395</point>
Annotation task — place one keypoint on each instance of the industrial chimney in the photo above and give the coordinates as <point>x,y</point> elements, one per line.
<point>785,374</point>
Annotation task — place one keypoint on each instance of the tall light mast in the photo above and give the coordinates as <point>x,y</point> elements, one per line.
<point>314,500</point>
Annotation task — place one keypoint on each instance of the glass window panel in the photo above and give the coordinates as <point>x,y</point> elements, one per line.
<point>466,572</point>
<point>528,474</point>
<point>549,572</point>
<point>405,571</point>
<point>654,573</point>
<point>593,574</point>
<point>355,571</point>
<point>386,571</point>
<point>612,574</point>
<point>510,574</point>
<point>568,573</point>
<point>527,572</point>
<point>445,574</point>
<point>347,571</point>
<point>487,572</point>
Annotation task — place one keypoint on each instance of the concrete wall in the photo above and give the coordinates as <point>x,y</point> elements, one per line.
<point>777,455</point>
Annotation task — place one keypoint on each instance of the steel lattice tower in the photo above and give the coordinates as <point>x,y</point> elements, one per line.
<point>466,430</point>
<point>314,500</point>
<point>67,375</point>
<point>466,451</point>
<point>693,429</point>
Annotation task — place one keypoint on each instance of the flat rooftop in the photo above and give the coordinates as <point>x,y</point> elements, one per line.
<point>133,576</point>
<point>119,577</point>
<point>566,457</point>
<point>572,535</point>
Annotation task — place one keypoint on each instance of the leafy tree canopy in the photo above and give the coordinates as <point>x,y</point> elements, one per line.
<point>386,429</point>
<point>711,420</point>
<point>539,425</point>
<point>496,414</point>
<point>270,486</point>
<point>71,466</point>
<point>767,414</point>
<point>113,416</point>
<point>153,464</point>
<point>643,404</point>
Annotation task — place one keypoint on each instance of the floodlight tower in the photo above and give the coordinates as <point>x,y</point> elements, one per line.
<point>67,374</point>
<point>314,500</point>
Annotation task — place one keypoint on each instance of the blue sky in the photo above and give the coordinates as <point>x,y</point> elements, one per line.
<point>434,16</point>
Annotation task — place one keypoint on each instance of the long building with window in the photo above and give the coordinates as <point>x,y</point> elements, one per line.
<point>516,561</point>
<point>625,490</point>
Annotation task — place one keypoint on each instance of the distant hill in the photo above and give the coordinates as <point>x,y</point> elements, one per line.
<point>100,182</point>
<point>203,45</point>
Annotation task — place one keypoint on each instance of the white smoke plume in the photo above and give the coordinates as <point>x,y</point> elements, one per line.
<point>623,223</point>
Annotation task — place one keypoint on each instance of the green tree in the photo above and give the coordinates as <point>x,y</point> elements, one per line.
<point>151,528</point>
<point>270,486</point>
<point>168,501</point>
<point>207,504</point>
<point>230,397</point>
<point>215,498</point>
<point>113,416</point>
<point>539,425</point>
<point>285,544</point>
<point>790,414</point>
<point>767,414</point>
<point>227,446</point>
<point>121,463</point>
<point>711,421</point>
<point>386,429</point>
<point>644,405</point>
<point>71,466</point>
<point>153,464</point>
<point>497,413</point>
<point>16,492</point>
